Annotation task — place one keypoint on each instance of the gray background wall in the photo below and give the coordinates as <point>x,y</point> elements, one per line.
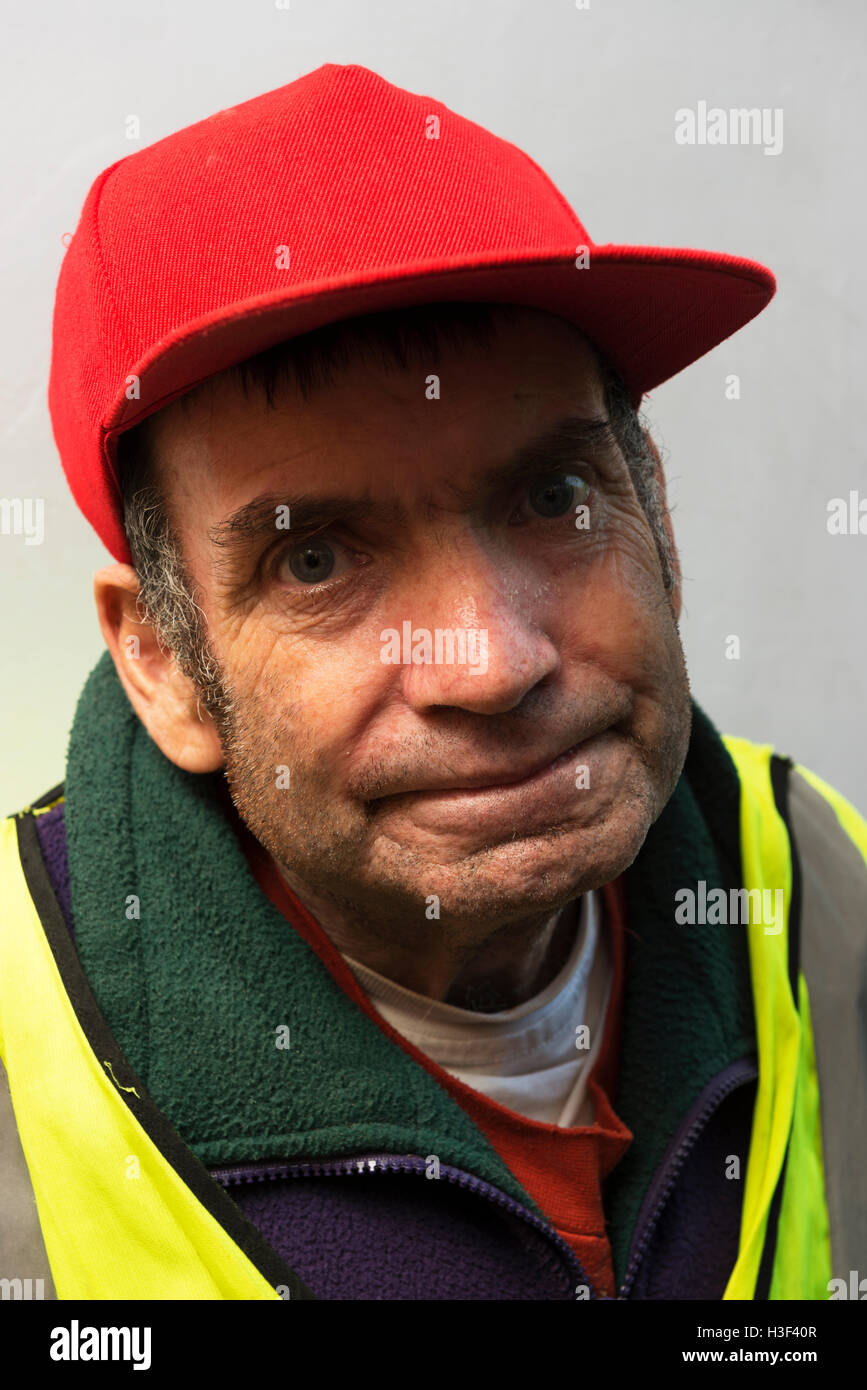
<point>591,95</point>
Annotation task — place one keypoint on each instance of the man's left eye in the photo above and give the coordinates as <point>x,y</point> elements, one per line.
<point>312,562</point>
<point>558,493</point>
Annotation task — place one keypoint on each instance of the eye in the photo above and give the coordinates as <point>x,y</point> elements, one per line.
<point>311,562</point>
<point>558,493</point>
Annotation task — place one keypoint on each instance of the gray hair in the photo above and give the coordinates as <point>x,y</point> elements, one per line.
<point>167,593</point>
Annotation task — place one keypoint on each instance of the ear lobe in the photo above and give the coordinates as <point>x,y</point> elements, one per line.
<point>165,700</point>
<point>182,728</point>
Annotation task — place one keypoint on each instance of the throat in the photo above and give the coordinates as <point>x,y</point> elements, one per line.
<point>499,978</point>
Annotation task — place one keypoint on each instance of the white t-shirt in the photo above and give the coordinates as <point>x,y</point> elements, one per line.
<point>525,1058</point>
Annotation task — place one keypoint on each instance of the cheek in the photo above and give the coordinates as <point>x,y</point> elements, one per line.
<point>616,614</point>
<point>308,701</point>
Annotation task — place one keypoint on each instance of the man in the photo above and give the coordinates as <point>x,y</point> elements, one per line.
<point>402,928</point>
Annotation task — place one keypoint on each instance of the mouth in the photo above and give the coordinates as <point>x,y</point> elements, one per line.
<point>497,805</point>
<point>523,772</point>
<point>487,783</point>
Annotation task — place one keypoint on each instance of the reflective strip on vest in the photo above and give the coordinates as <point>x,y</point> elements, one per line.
<point>789,1226</point>
<point>117,1219</point>
<point>834,959</point>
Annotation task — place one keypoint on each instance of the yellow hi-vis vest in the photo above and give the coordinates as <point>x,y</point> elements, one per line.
<point>150,1235</point>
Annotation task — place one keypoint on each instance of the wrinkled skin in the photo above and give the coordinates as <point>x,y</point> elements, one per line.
<point>396,771</point>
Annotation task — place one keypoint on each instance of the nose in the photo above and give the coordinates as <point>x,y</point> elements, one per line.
<point>471,635</point>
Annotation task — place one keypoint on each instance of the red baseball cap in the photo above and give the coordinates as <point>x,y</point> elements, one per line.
<point>337,195</point>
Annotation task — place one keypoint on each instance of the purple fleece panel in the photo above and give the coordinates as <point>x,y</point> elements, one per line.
<point>51,830</point>
<point>696,1243</point>
<point>401,1236</point>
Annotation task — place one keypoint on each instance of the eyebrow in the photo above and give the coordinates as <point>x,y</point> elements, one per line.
<point>563,442</point>
<point>566,441</point>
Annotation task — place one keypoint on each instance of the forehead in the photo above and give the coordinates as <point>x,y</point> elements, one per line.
<point>379,429</point>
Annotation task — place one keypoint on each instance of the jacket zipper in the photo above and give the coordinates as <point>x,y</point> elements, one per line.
<point>666,1175</point>
<point>266,1171</point>
<point>658,1193</point>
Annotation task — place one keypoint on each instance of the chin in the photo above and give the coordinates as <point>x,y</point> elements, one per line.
<point>540,871</point>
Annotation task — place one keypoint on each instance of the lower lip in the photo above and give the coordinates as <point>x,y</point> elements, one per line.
<point>546,797</point>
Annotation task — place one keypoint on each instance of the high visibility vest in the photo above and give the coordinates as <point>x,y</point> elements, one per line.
<point>158,1234</point>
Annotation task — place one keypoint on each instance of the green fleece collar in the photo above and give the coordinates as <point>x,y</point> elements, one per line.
<point>196,986</point>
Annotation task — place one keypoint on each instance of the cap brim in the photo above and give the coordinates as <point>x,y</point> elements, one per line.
<point>650,310</point>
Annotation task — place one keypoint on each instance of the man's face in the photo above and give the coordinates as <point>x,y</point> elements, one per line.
<point>506,783</point>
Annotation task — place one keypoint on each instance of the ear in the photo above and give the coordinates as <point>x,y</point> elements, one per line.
<point>677,588</point>
<point>165,700</point>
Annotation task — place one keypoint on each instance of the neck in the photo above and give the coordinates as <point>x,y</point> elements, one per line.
<point>507,966</point>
